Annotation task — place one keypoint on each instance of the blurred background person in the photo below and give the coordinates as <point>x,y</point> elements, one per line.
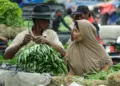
<point>59,18</point>
<point>83,12</point>
<point>114,18</point>
<point>68,20</point>
<point>110,13</point>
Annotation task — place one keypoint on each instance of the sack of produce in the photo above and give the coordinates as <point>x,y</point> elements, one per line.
<point>9,31</point>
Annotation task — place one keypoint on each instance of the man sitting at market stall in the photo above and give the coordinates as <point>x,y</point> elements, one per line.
<point>41,17</point>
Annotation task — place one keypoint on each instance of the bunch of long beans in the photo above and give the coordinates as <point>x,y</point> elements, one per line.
<point>41,58</point>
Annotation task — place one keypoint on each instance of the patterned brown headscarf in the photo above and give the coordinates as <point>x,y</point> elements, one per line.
<point>87,54</point>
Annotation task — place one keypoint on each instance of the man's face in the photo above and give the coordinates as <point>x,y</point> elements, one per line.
<point>43,24</point>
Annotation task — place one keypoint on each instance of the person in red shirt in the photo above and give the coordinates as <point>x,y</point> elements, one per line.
<point>83,12</point>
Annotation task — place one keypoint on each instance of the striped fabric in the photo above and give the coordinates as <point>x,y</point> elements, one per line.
<point>3,46</point>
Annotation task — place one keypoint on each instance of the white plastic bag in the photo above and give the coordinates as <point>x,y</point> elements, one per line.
<point>75,84</point>
<point>10,78</point>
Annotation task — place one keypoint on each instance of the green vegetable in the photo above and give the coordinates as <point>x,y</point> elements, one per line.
<point>10,13</point>
<point>98,75</point>
<point>42,59</point>
<point>65,46</point>
<point>102,75</point>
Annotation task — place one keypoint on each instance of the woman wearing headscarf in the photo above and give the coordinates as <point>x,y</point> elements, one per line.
<point>85,53</point>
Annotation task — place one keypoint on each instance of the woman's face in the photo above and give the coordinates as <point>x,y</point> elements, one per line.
<point>77,35</point>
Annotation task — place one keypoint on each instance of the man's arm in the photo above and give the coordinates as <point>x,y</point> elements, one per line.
<point>10,52</point>
<point>65,24</point>
<point>58,48</point>
<point>15,47</point>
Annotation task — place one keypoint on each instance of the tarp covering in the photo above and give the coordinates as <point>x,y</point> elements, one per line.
<point>11,78</point>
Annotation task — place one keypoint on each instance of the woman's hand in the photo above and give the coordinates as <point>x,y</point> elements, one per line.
<point>106,67</point>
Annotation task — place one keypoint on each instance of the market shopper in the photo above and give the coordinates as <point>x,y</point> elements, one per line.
<point>85,53</point>
<point>83,12</point>
<point>41,16</point>
<point>111,18</point>
<point>69,21</point>
<point>59,18</point>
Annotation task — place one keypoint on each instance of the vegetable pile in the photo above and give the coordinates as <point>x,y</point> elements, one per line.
<point>111,77</point>
<point>10,13</point>
<point>42,59</point>
<point>102,75</point>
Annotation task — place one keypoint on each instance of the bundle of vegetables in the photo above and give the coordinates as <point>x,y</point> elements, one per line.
<point>10,13</point>
<point>9,31</point>
<point>42,59</point>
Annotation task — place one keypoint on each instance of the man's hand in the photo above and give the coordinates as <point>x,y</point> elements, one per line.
<point>41,39</point>
<point>27,39</point>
